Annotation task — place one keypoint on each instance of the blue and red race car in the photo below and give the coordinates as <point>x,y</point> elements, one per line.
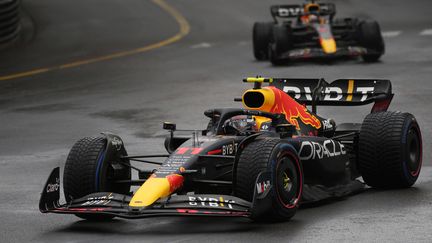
<point>261,161</point>
<point>311,31</point>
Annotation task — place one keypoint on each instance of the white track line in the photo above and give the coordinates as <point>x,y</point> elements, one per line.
<point>201,45</point>
<point>391,33</point>
<point>426,32</point>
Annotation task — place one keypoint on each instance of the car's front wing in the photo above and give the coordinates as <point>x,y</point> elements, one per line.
<point>306,53</point>
<point>115,204</point>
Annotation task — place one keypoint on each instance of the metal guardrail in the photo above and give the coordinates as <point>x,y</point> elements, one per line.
<point>9,20</point>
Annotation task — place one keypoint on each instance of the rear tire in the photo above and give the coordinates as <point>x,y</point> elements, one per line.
<point>370,37</point>
<point>87,171</point>
<point>261,36</point>
<point>281,159</point>
<point>390,150</point>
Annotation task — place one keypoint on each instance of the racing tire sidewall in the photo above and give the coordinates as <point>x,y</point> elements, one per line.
<point>412,150</point>
<point>282,38</point>
<point>284,159</point>
<point>273,56</point>
<point>371,38</point>
<point>261,36</point>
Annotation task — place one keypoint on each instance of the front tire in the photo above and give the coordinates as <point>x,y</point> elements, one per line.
<point>370,37</point>
<point>390,150</point>
<point>280,158</point>
<point>87,170</point>
<point>280,44</point>
<point>273,56</point>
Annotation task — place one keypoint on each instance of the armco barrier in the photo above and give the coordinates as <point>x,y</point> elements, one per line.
<point>9,20</point>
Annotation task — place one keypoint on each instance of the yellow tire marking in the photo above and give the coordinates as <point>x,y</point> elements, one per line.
<point>184,29</point>
<point>350,90</point>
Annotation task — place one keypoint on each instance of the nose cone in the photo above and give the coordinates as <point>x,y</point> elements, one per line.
<point>155,188</point>
<point>328,45</point>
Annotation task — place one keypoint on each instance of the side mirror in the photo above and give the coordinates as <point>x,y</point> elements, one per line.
<point>169,126</point>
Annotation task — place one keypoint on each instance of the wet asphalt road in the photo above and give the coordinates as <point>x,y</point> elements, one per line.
<point>41,116</point>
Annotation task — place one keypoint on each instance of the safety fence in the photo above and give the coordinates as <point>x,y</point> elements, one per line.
<point>9,20</point>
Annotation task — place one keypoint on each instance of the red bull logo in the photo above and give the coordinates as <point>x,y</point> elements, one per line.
<point>175,181</point>
<point>293,111</point>
<point>276,101</point>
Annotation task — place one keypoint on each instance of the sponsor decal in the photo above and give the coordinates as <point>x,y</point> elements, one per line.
<point>229,149</point>
<point>210,201</point>
<point>293,111</point>
<point>104,200</point>
<point>330,93</point>
<point>314,150</point>
<point>53,187</point>
<point>288,12</point>
<point>297,11</point>
<point>305,116</point>
<point>327,125</point>
<point>175,181</point>
<point>116,143</point>
<point>265,126</point>
<point>173,165</point>
<point>262,186</point>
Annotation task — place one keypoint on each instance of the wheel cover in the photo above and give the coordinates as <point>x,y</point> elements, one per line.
<point>287,183</point>
<point>288,180</point>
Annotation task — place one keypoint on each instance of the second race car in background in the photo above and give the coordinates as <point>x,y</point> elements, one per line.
<point>311,31</point>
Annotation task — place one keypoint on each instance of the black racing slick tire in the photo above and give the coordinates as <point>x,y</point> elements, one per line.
<point>370,37</point>
<point>261,36</point>
<point>88,170</point>
<point>273,56</point>
<point>282,38</point>
<point>390,150</point>
<point>281,43</point>
<point>280,158</point>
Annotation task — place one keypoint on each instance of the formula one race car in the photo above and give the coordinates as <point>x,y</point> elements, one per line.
<point>310,31</point>
<point>261,162</point>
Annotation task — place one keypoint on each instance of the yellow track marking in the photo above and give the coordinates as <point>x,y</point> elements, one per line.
<point>184,29</point>
<point>350,90</point>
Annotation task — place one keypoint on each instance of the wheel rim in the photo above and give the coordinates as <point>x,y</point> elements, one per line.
<point>414,152</point>
<point>288,181</point>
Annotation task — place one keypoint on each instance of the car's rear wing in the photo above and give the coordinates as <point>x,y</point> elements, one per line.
<point>341,92</point>
<point>296,10</point>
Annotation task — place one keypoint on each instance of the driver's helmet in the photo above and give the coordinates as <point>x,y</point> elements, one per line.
<point>312,8</point>
<point>239,124</point>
